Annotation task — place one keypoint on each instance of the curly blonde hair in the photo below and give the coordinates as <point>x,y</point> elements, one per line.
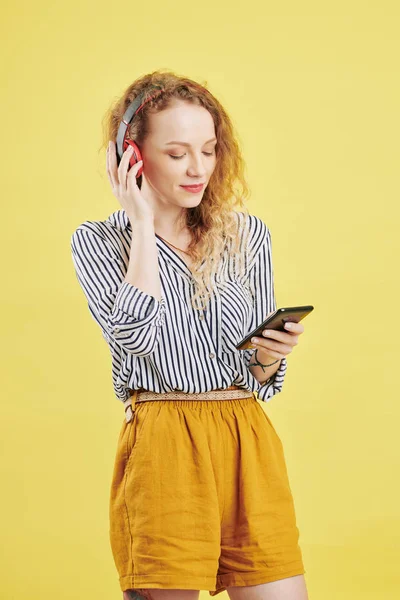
<point>213,223</point>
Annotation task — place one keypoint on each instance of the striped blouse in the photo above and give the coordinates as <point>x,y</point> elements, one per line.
<point>167,345</point>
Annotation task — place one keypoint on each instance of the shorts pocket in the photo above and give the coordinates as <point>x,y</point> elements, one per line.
<point>269,424</point>
<point>137,425</point>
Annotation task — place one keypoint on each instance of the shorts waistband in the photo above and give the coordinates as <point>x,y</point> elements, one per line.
<point>141,395</point>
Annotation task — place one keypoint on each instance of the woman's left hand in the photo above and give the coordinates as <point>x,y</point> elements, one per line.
<point>279,343</point>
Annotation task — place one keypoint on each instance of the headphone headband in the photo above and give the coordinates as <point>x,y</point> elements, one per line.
<point>129,114</point>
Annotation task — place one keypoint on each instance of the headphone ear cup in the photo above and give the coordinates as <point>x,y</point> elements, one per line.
<point>136,156</point>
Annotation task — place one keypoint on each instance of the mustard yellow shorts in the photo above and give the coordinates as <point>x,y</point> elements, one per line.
<point>200,498</point>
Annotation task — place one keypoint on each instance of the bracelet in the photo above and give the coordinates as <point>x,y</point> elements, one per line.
<point>257,363</point>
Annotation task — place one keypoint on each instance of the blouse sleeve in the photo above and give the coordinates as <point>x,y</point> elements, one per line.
<point>126,314</point>
<point>261,284</point>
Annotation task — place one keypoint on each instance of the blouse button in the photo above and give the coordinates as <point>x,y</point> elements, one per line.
<point>116,330</point>
<point>211,355</point>
<point>201,316</point>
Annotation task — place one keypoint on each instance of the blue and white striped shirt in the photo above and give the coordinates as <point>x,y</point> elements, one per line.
<point>166,345</point>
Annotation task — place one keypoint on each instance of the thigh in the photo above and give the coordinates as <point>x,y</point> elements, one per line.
<point>259,533</point>
<point>290,588</point>
<point>165,529</point>
<point>161,594</point>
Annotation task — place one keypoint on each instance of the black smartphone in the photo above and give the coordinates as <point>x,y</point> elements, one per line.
<point>277,321</point>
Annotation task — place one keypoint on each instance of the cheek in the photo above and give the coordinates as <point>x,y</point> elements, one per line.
<point>165,176</point>
<point>214,164</point>
<point>161,170</point>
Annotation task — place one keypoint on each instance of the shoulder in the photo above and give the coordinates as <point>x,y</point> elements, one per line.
<point>258,234</point>
<point>257,227</point>
<point>108,231</point>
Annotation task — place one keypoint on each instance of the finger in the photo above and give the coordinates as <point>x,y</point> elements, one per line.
<point>123,166</point>
<point>288,339</point>
<point>282,336</point>
<point>277,347</point>
<point>111,164</point>
<point>293,327</point>
<point>132,179</point>
<point>108,161</point>
<point>269,350</point>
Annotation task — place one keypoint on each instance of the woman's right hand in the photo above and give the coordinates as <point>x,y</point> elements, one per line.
<point>124,185</point>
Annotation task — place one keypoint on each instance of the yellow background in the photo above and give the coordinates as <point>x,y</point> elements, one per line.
<point>313,90</point>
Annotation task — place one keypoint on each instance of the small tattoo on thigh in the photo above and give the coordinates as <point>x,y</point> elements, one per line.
<point>137,595</point>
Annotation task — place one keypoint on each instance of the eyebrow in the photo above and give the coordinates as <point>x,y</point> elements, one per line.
<point>186,144</point>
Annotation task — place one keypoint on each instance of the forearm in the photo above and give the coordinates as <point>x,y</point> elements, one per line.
<point>143,269</point>
<point>262,374</point>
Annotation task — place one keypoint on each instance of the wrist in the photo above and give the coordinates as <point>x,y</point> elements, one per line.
<point>142,226</point>
<point>141,220</point>
<point>263,366</point>
<point>265,358</point>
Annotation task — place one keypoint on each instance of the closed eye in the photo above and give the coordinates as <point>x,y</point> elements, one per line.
<point>176,157</point>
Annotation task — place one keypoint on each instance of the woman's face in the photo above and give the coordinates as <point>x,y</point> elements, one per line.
<point>187,132</point>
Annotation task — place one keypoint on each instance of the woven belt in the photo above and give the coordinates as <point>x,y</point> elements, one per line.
<point>141,395</point>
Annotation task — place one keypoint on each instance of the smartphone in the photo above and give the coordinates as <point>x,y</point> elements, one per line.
<point>276,321</point>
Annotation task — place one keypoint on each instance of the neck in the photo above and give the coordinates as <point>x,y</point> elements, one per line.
<point>174,228</point>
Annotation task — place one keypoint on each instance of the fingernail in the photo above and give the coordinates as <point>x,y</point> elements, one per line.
<point>288,325</point>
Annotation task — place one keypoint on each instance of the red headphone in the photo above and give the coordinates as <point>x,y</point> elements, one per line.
<point>122,143</point>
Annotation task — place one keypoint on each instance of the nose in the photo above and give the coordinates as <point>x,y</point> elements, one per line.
<point>197,167</point>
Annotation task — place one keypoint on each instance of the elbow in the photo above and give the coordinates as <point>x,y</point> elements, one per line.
<point>136,339</point>
<point>138,334</point>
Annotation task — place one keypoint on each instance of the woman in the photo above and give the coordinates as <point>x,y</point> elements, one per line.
<point>200,497</point>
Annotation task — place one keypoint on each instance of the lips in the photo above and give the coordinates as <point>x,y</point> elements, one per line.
<point>193,188</point>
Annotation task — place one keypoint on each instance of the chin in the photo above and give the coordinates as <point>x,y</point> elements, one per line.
<point>196,201</point>
<point>193,198</point>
